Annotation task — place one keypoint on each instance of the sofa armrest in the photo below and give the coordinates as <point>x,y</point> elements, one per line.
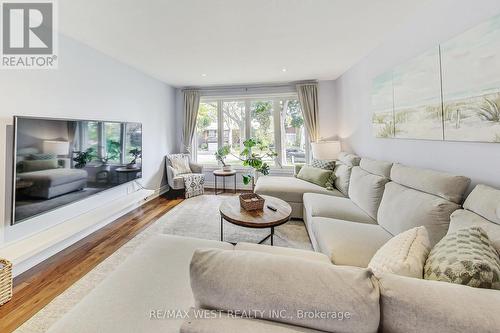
<point>196,168</point>
<point>242,281</point>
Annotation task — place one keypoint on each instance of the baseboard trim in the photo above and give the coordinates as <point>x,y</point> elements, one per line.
<point>28,252</point>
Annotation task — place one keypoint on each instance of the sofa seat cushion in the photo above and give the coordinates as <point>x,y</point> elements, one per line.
<point>366,190</point>
<point>414,305</point>
<point>289,188</point>
<point>284,251</point>
<point>155,277</point>
<point>348,243</point>
<point>335,208</point>
<point>54,177</point>
<point>403,208</point>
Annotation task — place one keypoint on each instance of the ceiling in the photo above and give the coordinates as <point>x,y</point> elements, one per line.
<point>220,42</point>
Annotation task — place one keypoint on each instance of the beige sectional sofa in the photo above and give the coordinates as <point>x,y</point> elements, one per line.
<point>383,200</point>
<point>143,292</point>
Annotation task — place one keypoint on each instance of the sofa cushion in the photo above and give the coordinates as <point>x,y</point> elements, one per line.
<point>484,201</point>
<point>444,185</point>
<point>289,188</point>
<point>214,321</point>
<point>260,283</point>
<point>297,253</point>
<point>366,189</point>
<point>349,159</point>
<point>154,277</point>
<point>39,165</point>
<point>411,305</point>
<point>462,218</point>
<point>467,257</point>
<point>403,208</point>
<point>314,175</point>
<point>335,208</point>
<point>348,243</point>
<point>342,175</point>
<point>379,168</point>
<point>54,177</point>
<point>404,254</point>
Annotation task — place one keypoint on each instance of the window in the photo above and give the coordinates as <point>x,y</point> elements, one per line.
<point>276,121</point>
<point>233,115</point>
<point>112,151</point>
<point>206,138</point>
<point>262,125</point>
<point>133,140</point>
<point>294,136</point>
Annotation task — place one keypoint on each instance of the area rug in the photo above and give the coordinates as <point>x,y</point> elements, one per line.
<point>195,217</point>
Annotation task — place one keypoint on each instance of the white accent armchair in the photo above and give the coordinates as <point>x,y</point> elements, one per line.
<point>175,181</point>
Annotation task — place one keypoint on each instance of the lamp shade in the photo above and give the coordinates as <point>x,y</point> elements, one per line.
<point>56,147</point>
<point>326,150</point>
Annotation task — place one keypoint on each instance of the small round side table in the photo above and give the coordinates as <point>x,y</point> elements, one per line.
<point>224,174</point>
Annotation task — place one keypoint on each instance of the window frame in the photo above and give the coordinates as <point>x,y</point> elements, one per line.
<point>279,136</point>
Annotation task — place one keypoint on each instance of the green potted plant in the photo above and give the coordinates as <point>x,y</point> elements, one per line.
<point>250,158</point>
<point>255,160</point>
<point>136,153</point>
<point>83,157</point>
<point>221,154</point>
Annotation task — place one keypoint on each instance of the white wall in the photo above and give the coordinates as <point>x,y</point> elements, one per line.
<point>87,85</point>
<point>440,21</point>
<point>328,118</point>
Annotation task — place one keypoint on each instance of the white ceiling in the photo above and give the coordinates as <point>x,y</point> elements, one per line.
<point>234,41</point>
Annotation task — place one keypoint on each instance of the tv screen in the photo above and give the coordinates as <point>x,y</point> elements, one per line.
<point>60,161</point>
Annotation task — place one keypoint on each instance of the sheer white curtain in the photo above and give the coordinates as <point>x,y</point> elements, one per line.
<point>191,105</point>
<point>308,98</point>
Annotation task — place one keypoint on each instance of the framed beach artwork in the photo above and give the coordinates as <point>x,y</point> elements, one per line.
<point>471,84</point>
<point>383,106</point>
<point>451,92</point>
<point>417,98</point>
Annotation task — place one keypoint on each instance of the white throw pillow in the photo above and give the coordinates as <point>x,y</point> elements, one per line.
<point>404,254</point>
<point>180,163</point>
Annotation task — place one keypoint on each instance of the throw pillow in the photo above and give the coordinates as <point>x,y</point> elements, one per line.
<point>466,257</point>
<point>404,254</point>
<point>314,175</point>
<point>42,156</point>
<point>38,165</point>
<point>323,164</point>
<point>180,163</point>
<point>330,183</point>
<point>342,174</point>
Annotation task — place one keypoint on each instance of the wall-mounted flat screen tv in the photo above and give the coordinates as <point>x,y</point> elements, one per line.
<point>60,161</point>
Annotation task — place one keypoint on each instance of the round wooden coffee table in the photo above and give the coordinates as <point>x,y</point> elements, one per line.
<point>231,211</point>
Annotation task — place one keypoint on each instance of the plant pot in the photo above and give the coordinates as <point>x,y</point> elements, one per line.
<point>227,167</point>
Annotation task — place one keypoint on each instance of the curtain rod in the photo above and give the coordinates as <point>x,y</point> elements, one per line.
<point>246,88</point>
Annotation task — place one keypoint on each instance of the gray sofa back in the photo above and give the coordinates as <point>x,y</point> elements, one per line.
<point>367,184</point>
<point>416,197</point>
<point>481,208</point>
<point>342,171</point>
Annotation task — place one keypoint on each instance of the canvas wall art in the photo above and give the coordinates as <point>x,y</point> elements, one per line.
<point>471,84</point>
<point>451,92</point>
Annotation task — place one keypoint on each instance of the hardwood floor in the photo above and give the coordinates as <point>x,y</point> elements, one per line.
<point>36,287</point>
